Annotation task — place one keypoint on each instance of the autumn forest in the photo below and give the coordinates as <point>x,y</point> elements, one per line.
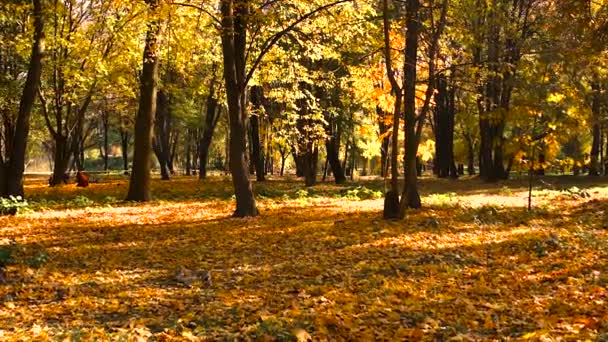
<point>304,170</point>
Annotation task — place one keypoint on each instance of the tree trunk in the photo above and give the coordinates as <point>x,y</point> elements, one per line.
<point>106,146</point>
<point>234,46</point>
<point>61,160</point>
<point>310,166</point>
<point>212,116</point>
<point>385,142</point>
<point>15,165</point>
<point>410,197</point>
<point>163,163</point>
<point>391,199</point>
<point>470,155</point>
<point>444,130</point>
<point>283,159</point>
<point>189,138</point>
<point>332,147</point>
<point>594,166</point>
<point>139,185</point>
<point>257,155</point>
<point>162,127</point>
<point>299,163</point>
<point>124,143</point>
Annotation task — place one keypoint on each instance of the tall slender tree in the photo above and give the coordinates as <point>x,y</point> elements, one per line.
<point>12,169</point>
<point>139,185</point>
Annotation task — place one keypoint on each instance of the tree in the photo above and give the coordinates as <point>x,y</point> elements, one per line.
<point>139,185</point>
<point>11,169</point>
<point>235,18</point>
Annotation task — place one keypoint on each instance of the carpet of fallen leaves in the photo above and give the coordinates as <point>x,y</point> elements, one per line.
<point>472,265</point>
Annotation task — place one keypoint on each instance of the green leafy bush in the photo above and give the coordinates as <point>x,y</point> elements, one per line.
<point>446,200</point>
<point>362,193</point>
<point>13,205</point>
<point>80,202</point>
<point>302,194</point>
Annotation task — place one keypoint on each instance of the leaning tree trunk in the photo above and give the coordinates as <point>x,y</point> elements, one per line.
<point>15,166</point>
<point>211,118</point>
<point>385,141</point>
<point>234,46</point>
<point>139,184</point>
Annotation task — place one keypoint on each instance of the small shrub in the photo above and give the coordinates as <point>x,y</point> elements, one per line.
<point>575,193</point>
<point>486,214</point>
<point>13,205</point>
<point>302,194</point>
<point>110,200</point>
<point>80,202</point>
<point>7,254</point>
<point>264,192</point>
<point>506,191</point>
<point>39,259</point>
<point>445,200</point>
<point>362,193</point>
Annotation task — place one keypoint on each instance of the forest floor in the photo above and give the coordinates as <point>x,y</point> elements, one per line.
<point>319,264</point>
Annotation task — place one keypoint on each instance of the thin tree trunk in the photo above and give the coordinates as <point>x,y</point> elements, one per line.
<point>189,139</point>
<point>124,143</point>
<point>391,199</point>
<point>106,146</point>
<point>594,167</point>
<point>257,155</point>
<point>212,116</point>
<point>410,197</point>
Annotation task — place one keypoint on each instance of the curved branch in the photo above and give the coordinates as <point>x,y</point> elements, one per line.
<point>271,41</point>
<point>211,15</point>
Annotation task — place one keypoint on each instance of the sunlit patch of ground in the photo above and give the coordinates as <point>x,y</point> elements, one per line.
<point>472,265</point>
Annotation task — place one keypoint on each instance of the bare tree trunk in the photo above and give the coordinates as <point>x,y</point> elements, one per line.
<point>15,165</point>
<point>162,131</point>
<point>189,138</point>
<point>332,147</point>
<point>391,198</point>
<point>234,46</point>
<point>257,155</point>
<point>212,116</point>
<point>410,197</point>
<point>139,185</point>
<point>594,166</point>
<point>124,143</point>
<point>106,146</point>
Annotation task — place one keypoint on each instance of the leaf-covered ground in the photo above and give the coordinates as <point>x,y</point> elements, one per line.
<point>320,264</point>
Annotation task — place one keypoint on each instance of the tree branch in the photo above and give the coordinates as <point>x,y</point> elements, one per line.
<point>271,41</point>
<point>211,15</point>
